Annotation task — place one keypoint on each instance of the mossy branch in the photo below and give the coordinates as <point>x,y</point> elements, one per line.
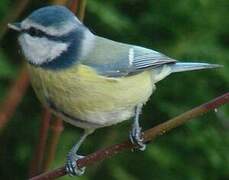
<point>148,135</point>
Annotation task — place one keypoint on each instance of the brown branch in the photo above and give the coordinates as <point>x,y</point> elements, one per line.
<point>13,98</point>
<point>18,89</point>
<point>148,135</point>
<point>57,129</point>
<point>78,7</point>
<point>59,2</point>
<point>73,5</point>
<point>81,9</point>
<point>36,164</point>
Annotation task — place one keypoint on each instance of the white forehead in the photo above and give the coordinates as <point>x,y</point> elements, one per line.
<point>51,30</point>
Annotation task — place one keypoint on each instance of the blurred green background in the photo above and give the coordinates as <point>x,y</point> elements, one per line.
<point>183,29</point>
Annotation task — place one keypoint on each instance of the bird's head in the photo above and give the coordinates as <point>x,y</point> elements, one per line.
<point>52,37</point>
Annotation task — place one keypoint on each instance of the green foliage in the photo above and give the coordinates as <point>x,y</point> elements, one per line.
<point>6,69</point>
<point>3,7</point>
<point>187,30</point>
<point>110,16</point>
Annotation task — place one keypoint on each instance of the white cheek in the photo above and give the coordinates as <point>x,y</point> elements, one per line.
<point>39,50</point>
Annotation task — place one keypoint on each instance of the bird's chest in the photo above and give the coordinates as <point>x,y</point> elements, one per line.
<point>84,94</point>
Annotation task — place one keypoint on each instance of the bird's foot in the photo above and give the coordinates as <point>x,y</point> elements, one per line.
<point>136,138</point>
<point>71,166</point>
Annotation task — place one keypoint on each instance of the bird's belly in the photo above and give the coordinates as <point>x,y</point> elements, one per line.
<point>85,98</point>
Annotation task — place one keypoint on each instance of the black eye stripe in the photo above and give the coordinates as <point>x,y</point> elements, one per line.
<point>34,32</point>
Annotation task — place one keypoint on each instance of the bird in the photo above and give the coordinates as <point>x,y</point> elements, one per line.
<point>90,81</point>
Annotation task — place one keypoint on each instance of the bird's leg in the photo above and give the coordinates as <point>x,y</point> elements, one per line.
<point>136,133</point>
<point>71,166</point>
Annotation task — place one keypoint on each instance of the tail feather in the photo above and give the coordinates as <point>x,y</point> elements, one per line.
<point>182,66</point>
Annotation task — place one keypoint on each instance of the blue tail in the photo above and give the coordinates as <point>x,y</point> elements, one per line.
<point>182,66</point>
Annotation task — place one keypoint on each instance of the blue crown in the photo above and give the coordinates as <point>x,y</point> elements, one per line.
<point>52,16</point>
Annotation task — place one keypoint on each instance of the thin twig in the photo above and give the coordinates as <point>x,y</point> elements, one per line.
<point>148,135</point>
<point>37,162</point>
<point>59,2</point>
<point>36,165</point>
<point>81,10</point>
<point>57,129</point>
<point>18,88</point>
<point>73,5</point>
<point>13,98</point>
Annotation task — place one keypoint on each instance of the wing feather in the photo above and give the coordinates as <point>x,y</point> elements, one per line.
<point>114,59</point>
<point>146,58</point>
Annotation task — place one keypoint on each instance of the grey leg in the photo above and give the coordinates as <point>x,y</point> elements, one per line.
<point>135,133</point>
<point>71,166</point>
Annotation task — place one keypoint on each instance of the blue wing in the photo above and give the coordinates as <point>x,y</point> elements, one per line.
<point>145,58</point>
<point>115,59</point>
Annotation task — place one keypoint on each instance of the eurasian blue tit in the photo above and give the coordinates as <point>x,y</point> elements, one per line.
<point>90,81</point>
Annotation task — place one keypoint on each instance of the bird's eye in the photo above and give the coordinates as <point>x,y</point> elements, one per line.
<point>34,32</point>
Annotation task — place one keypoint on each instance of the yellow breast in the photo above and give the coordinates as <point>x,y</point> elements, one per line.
<point>82,93</point>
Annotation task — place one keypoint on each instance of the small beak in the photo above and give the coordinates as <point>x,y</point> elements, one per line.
<point>15,26</point>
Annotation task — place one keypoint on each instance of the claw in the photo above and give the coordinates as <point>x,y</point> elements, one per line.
<point>71,166</point>
<point>135,138</point>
